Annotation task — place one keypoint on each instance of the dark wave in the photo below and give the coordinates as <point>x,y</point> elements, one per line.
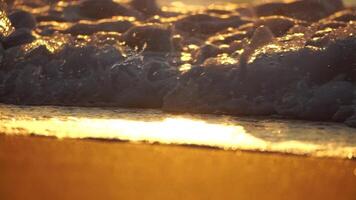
<point>293,59</point>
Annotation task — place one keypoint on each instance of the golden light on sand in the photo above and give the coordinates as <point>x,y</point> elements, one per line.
<point>154,127</point>
<point>167,131</point>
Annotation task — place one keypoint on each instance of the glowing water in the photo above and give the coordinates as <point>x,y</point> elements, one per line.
<point>296,137</point>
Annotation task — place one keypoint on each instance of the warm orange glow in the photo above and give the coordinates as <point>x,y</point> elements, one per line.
<point>185,67</point>
<point>225,59</point>
<point>5,24</point>
<point>186,57</point>
<point>168,130</point>
<point>52,44</point>
<point>152,127</point>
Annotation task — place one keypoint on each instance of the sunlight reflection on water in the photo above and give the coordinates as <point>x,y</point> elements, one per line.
<point>296,137</point>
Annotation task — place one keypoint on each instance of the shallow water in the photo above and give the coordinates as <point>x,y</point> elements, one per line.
<point>153,126</point>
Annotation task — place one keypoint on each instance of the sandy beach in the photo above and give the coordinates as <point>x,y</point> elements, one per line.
<point>34,167</point>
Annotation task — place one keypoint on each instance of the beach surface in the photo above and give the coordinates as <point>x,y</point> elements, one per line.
<point>48,168</point>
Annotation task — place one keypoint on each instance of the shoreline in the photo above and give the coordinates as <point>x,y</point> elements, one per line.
<point>178,113</point>
<point>189,146</point>
<point>320,139</point>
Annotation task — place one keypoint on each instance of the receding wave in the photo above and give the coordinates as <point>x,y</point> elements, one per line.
<point>230,133</point>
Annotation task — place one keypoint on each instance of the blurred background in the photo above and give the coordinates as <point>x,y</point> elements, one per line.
<point>199,2</point>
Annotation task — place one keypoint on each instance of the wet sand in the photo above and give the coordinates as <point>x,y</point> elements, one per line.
<point>48,168</point>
